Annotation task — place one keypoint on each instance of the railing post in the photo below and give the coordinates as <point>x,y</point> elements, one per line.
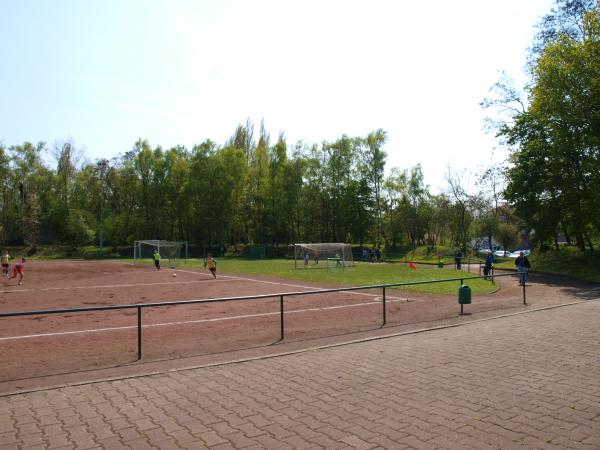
<point>281,319</point>
<point>139,331</point>
<point>524,296</point>
<point>384,308</point>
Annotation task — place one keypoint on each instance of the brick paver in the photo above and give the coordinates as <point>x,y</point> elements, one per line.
<point>524,381</point>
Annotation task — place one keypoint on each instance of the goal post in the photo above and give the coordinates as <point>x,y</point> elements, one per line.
<point>324,255</point>
<point>174,253</point>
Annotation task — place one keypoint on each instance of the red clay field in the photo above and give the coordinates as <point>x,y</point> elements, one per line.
<point>79,342</point>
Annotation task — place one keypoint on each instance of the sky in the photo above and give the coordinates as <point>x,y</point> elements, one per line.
<point>103,74</point>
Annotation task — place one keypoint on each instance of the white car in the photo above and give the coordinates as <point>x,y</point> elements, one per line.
<point>495,249</point>
<point>516,253</point>
<point>502,253</point>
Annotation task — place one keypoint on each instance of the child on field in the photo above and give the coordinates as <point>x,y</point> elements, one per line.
<point>211,264</point>
<point>156,258</point>
<point>19,270</point>
<point>5,263</point>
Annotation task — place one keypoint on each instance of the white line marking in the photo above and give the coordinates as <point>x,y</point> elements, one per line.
<point>230,277</point>
<point>104,286</point>
<point>289,285</point>
<point>187,322</point>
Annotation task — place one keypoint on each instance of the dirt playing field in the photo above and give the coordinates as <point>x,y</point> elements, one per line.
<point>41,346</point>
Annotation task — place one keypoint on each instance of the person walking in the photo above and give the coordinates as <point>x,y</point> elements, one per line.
<point>156,258</point>
<point>523,266</point>
<point>5,263</point>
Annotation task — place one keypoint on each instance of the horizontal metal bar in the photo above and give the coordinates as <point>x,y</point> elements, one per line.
<point>230,299</point>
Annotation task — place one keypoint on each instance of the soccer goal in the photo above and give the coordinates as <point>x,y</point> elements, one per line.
<point>174,253</point>
<point>326,256</point>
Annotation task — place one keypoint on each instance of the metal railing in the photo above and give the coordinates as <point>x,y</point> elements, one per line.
<point>281,296</point>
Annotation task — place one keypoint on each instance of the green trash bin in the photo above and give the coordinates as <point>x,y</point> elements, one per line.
<point>464,295</point>
<point>441,264</point>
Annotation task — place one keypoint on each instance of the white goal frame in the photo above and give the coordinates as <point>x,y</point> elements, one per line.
<point>323,255</point>
<point>171,251</point>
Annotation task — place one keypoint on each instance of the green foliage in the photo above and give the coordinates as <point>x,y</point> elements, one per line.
<point>567,261</point>
<point>507,235</point>
<point>212,196</point>
<point>80,227</point>
<point>554,183</point>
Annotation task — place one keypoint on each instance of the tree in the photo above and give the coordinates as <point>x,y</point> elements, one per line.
<point>395,186</point>
<point>31,220</point>
<point>373,166</point>
<point>462,215</point>
<point>507,235</point>
<point>554,178</point>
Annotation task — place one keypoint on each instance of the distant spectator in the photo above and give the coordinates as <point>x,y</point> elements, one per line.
<point>365,254</point>
<point>489,264</point>
<point>458,258</point>
<point>523,267</point>
<point>378,254</point>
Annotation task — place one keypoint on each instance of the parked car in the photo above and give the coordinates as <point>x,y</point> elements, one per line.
<point>495,248</point>
<point>502,253</point>
<point>516,253</point>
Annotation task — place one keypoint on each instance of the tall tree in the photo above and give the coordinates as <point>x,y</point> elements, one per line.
<point>374,158</point>
<point>561,131</point>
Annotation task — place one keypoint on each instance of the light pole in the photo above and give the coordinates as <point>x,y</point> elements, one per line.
<point>102,166</point>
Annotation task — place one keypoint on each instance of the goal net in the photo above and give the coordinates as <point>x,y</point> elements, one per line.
<point>325,255</point>
<point>172,253</point>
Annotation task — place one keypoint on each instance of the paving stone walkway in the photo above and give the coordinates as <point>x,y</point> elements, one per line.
<point>525,381</point>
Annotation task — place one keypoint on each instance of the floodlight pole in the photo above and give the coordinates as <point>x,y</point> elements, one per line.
<point>101,229</point>
<point>102,165</point>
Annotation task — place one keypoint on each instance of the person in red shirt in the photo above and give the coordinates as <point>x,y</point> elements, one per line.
<point>19,270</point>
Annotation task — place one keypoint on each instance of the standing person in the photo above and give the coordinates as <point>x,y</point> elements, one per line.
<point>156,258</point>
<point>317,254</point>
<point>523,267</point>
<point>5,263</point>
<point>211,263</point>
<point>306,258</point>
<point>19,270</point>
<point>458,258</point>
<point>489,264</point>
<point>338,260</point>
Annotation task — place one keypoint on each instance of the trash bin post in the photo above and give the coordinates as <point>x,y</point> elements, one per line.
<point>464,298</point>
